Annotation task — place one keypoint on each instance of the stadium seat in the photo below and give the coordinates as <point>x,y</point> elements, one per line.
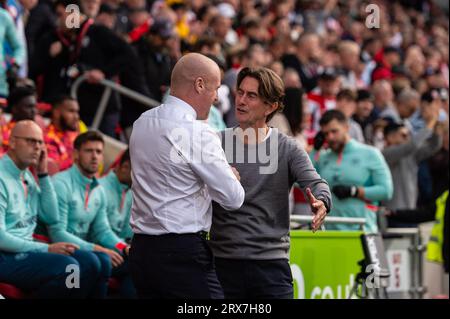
<point>113,149</point>
<point>113,284</point>
<point>10,292</point>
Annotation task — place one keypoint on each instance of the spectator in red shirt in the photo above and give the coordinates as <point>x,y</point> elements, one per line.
<point>323,98</point>
<point>61,133</point>
<point>388,58</point>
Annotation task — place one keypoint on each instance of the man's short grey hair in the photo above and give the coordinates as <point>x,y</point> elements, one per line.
<point>407,95</point>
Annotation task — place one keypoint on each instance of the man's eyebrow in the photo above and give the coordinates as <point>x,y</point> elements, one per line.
<point>253,92</point>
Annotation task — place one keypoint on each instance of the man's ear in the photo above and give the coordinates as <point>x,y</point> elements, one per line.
<point>12,143</point>
<point>199,84</point>
<point>271,108</point>
<point>56,112</point>
<point>75,155</point>
<point>347,126</point>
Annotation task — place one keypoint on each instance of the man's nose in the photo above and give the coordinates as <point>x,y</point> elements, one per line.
<point>241,99</point>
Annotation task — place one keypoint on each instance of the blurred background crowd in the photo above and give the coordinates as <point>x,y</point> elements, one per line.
<point>384,64</point>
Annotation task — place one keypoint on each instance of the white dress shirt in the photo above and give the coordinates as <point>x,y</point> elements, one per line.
<point>178,166</point>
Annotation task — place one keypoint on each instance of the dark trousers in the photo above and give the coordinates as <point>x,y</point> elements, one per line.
<point>173,266</point>
<point>257,279</point>
<point>126,288</point>
<point>46,275</point>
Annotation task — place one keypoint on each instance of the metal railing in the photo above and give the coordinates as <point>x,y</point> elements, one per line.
<point>416,250</point>
<point>110,86</point>
<point>332,220</point>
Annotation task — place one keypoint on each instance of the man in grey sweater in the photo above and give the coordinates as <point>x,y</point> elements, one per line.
<point>404,153</point>
<point>251,245</point>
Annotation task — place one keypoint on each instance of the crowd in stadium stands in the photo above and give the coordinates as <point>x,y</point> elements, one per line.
<point>366,94</point>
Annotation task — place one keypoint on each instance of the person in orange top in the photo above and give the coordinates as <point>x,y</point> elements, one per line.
<point>61,133</point>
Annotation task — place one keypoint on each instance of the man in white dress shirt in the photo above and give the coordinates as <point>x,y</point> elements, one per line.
<point>178,167</point>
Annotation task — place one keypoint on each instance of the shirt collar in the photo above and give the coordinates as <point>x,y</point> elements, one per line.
<point>349,146</point>
<point>11,167</point>
<point>81,179</point>
<point>182,106</point>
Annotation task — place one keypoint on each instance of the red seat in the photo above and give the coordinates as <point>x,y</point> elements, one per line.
<point>10,292</point>
<point>113,284</point>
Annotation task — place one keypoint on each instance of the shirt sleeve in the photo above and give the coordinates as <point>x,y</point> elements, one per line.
<point>210,164</point>
<point>59,232</point>
<point>381,188</point>
<point>9,242</point>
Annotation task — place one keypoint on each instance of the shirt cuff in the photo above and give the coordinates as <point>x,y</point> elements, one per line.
<point>121,246</point>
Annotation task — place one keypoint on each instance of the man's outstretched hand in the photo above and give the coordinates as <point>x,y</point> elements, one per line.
<point>318,208</point>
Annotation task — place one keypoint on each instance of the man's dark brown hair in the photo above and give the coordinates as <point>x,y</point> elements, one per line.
<point>89,136</point>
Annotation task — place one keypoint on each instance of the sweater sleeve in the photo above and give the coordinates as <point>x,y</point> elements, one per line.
<point>381,187</point>
<point>101,231</point>
<point>40,58</point>
<point>429,147</point>
<point>18,49</point>
<point>420,215</point>
<point>127,232</point>
<point>48,203</point>
<point>304,173</point>
<point>395,153</point>
<point>9,242</point>
<point>118,51</point>
<point>59,233</point>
